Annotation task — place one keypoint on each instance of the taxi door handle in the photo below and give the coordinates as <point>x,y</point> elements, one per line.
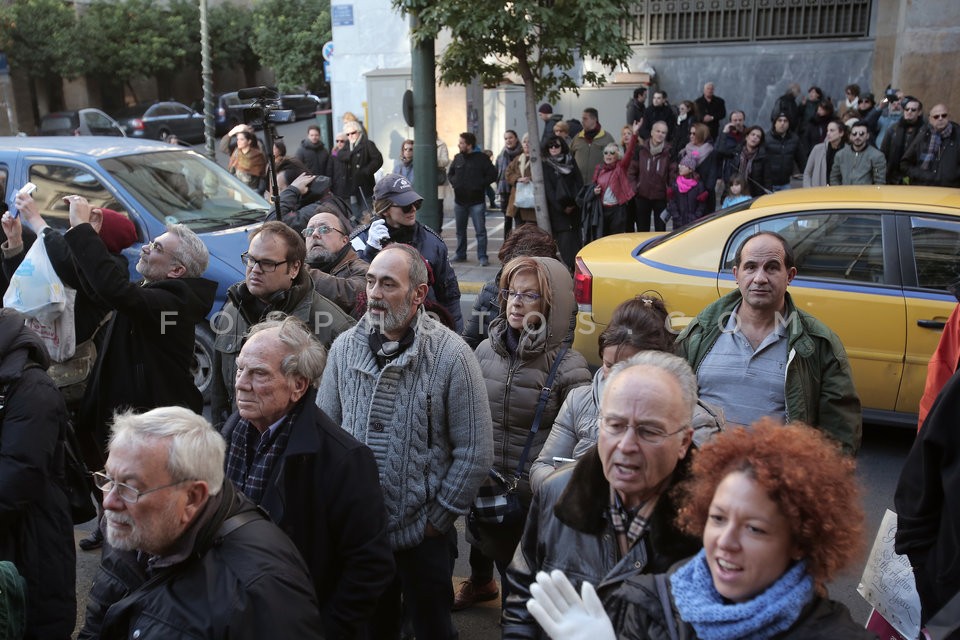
<point>931,324</point>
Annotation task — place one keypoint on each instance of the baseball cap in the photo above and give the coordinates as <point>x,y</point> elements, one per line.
<point>396,189</point>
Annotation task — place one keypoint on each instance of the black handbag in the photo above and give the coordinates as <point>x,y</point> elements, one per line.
<point>497,502</point>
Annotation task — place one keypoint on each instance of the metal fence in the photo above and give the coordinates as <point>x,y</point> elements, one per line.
<point>656,22</point>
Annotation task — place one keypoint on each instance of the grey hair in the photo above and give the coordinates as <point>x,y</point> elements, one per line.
<point>418,268</point>
<point>613,147</point>
<point>191,253</point>
<point>306,357</point>
<point>668,363</point>
<point>195,449</point>
<point>350,126</point>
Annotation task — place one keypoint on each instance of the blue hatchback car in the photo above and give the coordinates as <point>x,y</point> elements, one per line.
<point>153,183</point>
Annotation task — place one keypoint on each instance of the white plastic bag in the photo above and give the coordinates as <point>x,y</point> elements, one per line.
<point>37,291</point>
<point>35,288</point>
<point>524,196</point>
<point>60,334</point>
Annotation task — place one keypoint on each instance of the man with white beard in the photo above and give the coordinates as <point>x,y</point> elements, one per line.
<point>186,555</point>
<point>412,390</point>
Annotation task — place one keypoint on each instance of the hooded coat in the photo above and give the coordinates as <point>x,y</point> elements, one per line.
<point>513,385</point>
<point>36,530</point>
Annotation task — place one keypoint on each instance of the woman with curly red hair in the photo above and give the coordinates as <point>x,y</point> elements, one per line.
<point>779,511</point>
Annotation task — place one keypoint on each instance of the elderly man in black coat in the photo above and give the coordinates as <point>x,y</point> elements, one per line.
<point>319,484</point>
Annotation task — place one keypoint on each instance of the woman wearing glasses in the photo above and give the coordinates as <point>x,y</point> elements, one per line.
<point>562,181</point>
<point>536,309</point>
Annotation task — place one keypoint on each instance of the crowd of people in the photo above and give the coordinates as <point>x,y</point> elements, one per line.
<point>357,415</point>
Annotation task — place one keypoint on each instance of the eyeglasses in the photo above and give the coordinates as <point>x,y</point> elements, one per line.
<point>556,145</point>
<point>266,266</point>
<point>408,148</point>
<point>857,134</point>
<point>353,133</point>
<point>937,116</point>
<point>153,245</point>
<point>911,108</point>
<point>410,208</point>
<point>127,493</point>
<point>650,436</point>
<point>528,297</point>
<point>321,230</point>
<point>609,153</point>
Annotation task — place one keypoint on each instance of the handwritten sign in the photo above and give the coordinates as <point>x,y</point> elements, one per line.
<point>887,582</point>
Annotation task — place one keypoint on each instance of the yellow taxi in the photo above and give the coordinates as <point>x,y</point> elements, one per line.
<point>876,264</point>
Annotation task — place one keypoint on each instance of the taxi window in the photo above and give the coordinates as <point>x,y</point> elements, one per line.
<point>834,246</point>
<point>936,251</point>
<point>56,181</point>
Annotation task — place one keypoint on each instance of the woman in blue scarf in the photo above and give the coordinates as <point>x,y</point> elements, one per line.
<point>779,511</point>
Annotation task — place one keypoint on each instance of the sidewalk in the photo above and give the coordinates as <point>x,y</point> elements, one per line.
<point>470,274</point>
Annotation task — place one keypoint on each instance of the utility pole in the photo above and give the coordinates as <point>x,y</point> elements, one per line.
<point>423,68</point>
<point>206,73</point>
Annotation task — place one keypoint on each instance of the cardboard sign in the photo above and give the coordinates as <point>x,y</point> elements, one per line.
<point>887,582</point>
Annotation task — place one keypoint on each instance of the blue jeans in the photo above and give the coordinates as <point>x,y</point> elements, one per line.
<point>477,213</point>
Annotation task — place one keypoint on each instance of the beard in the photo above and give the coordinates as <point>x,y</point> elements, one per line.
<point>390,319</point>
<point>151,535</point>
<point>320,254</point>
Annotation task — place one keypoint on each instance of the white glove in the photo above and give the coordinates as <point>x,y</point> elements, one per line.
<point>377,234</point>
<point>563,614</point>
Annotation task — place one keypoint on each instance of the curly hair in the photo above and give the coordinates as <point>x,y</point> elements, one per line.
<point>803,471</point>
<point>527,240</point>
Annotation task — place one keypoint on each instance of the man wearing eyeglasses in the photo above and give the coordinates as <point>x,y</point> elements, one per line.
<point>859,162</point>
<point>333,264</point>
<point>899,137</point>
<point>187,555</point>
<point>148,345</point>
<point>933,158</point>
<point>609,517</point>
<point>275,281</point>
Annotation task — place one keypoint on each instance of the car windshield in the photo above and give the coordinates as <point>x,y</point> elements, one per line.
<point>56,123</point>
<point>184,187</point>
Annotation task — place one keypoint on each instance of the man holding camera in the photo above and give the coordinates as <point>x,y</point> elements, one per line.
<point>275,281</point>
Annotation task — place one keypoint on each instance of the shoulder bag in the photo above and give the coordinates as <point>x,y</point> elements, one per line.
<point>498,502</point>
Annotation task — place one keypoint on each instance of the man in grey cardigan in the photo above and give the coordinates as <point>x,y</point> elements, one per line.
<point>412,391</point>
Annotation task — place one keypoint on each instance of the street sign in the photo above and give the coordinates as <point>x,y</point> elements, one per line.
<point>341,15</point>
<point>327,51</point>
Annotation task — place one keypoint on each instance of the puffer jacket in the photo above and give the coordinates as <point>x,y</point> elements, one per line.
<point>514,382</point>
<point>818,386</point>
<point>636,610</point>
<point>569,529</point>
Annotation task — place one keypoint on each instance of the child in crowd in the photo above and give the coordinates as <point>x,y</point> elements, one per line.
<point>686,200</point>
<point>735,194</point>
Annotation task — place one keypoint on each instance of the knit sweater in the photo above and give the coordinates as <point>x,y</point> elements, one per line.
<point>426,418</point>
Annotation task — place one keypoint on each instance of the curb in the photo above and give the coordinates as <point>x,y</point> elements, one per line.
<point>471,287</point>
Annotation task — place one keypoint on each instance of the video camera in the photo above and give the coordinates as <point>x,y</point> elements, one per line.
<point>265,106</point>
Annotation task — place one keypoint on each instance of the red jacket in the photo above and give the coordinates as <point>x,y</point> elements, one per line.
<point>615,176</point>
<point>942,365</point>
